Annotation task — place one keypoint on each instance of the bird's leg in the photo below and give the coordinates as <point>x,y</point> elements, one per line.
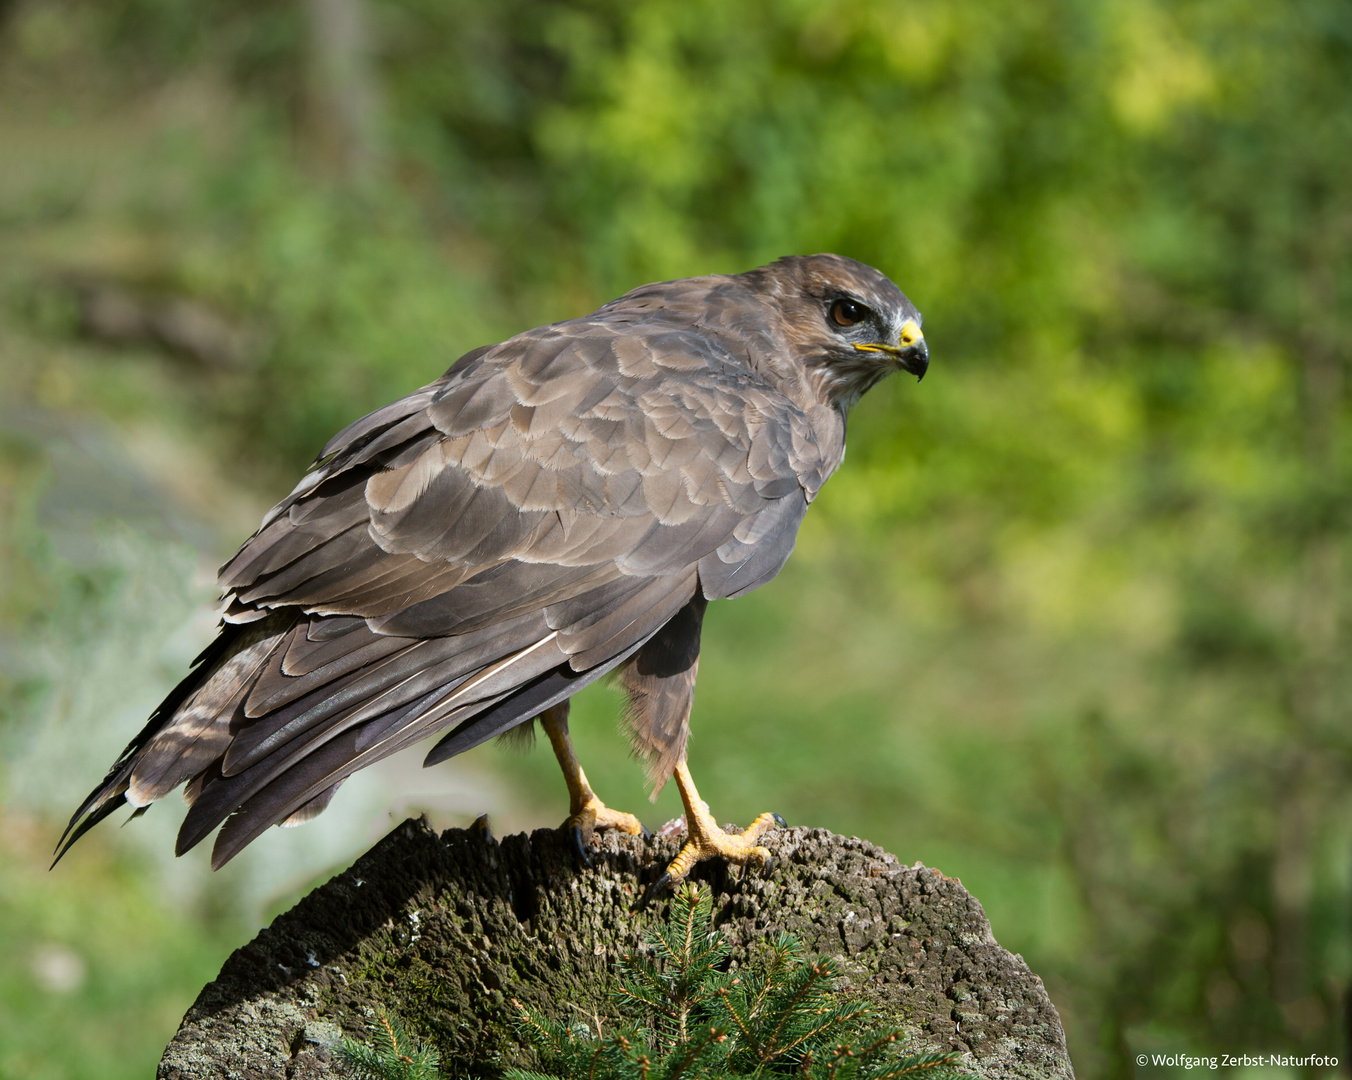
<point>708,841</point>
<point>660,682</point>
<point>586,813</point>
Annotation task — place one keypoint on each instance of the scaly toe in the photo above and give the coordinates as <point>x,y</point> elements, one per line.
<point>606,818</point>
<point>593,817</point>
<point>740,848</point>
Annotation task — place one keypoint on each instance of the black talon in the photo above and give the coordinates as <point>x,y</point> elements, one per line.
<point>580,847</point>
<point>779,821</point>
<point>647,832</point>
<point>769,867</point>
<point>655,888</point>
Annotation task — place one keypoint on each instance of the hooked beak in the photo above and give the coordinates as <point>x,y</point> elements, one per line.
<point>911,353</point>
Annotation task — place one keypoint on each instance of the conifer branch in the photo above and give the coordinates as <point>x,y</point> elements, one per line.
<point>393,1055</point>
<point>691,1020</point>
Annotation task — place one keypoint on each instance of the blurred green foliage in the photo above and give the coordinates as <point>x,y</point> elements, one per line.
<point>1072,622</point>
<point>97,970</point>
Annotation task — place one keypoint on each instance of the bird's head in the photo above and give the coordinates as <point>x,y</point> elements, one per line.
<point>847,323</point>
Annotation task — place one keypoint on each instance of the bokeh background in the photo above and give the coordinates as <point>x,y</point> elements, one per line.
<point>1072,623</point>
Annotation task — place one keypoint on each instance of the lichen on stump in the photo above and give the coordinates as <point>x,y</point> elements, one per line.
<point>446,930</point>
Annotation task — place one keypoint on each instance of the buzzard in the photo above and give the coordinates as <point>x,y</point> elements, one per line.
<point>554,508</point>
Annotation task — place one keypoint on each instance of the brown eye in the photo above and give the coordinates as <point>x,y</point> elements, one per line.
<point>847,312</point>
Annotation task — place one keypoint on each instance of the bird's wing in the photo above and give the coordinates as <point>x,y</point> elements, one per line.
<point>538,471</point>
<point>472,553</point>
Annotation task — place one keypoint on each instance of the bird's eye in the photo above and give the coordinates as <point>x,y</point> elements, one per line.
<point>848,312</point>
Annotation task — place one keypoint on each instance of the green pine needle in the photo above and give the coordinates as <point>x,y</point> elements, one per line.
<point>685,1018</point>
<point>392,1055</point>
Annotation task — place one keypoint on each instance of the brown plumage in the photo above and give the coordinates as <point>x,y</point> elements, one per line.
<point>552,508</point>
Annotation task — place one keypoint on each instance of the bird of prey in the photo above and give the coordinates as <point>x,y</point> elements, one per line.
<point>554,508</point>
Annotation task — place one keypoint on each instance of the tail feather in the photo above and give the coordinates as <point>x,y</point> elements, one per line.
<point>291,793</point>
<point>422,666</point>
<point>93,817</point>
<point>107,794</point>
<point>199,730</point>
<point>304,764</point>
<point>312,809</point>
<point>280,711</point>
<point>283,794</point>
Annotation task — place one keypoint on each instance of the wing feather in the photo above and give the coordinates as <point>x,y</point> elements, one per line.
<point>229,793</point>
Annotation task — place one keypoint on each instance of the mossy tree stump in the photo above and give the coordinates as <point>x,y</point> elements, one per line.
<point>446,930</point>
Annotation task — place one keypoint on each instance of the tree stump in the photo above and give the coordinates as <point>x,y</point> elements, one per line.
<point>444,931</point>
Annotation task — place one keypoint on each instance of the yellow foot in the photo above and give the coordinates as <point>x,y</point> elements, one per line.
<point>587,813</point>
<point>594,815</point>
<point>708,841</point>
<point>740,848</point>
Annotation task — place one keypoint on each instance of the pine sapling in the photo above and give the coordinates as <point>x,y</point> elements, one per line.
<point>683,1017</point>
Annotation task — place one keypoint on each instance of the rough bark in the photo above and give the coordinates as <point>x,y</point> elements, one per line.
<point>446,930</point>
